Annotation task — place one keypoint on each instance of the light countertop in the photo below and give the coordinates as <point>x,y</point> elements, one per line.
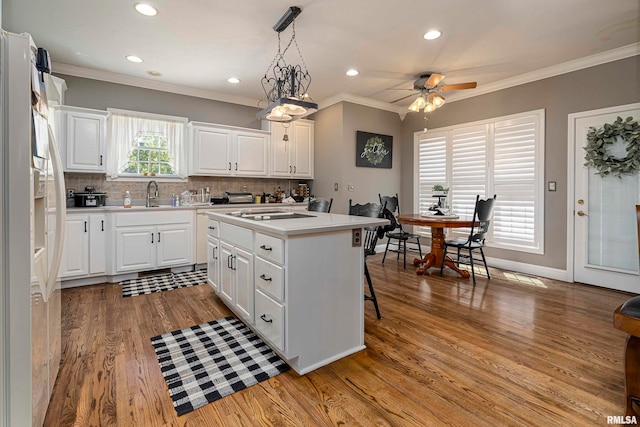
<point>318,223</point>
<point>225,207</point>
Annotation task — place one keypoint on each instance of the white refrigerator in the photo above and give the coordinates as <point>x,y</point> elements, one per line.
<point>32,218</point>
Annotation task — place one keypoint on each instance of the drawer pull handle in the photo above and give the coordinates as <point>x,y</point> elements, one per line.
<point>213,253</point>
<point>265,278</point>
<point>211,228</point>
<point>266,248</point>
<point>264,317</point>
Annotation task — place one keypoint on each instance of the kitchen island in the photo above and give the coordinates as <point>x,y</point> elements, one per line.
<point>296,279</point>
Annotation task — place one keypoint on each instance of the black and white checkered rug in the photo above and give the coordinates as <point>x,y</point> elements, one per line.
<point>163,282</point>
<point>206,362</point>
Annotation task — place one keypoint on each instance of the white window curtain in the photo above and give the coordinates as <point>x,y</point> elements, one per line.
<point>502,156</point>
<point>125,126</point>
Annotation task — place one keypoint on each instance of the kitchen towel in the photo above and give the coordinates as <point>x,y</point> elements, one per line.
<point>206,362</point>
<point>164,282</point>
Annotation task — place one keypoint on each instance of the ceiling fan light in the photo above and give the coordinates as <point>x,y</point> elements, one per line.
<point>437,100</point>
<point>429,107</point>
<point>413,107</point>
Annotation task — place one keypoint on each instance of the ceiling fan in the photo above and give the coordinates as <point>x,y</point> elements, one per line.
<point>430,98</point>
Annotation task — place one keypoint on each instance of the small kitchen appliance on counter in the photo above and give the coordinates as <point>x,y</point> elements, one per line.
<point>235,198</point>
<point>89,199</point>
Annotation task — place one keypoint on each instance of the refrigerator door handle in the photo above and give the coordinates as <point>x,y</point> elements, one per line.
<point>61,214</point>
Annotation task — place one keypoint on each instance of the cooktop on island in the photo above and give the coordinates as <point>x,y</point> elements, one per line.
<point>263,216</point>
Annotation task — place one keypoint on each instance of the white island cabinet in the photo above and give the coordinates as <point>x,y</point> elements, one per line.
<point>305,297</point>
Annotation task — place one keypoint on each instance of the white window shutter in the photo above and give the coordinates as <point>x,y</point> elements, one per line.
<point>432,169</point>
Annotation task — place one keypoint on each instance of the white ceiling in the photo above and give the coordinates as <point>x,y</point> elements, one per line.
<point>198,44</point>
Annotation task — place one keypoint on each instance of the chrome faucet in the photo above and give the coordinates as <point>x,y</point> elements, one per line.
<point>151,198</point>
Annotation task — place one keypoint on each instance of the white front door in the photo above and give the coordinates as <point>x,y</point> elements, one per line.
<point>604,219</point>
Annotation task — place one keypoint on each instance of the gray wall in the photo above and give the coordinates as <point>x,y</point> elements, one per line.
<point>335,154</point>
<point>611,84</point>
<point>88,93</point>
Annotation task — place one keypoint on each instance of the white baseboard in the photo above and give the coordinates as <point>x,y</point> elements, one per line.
<point>535,270</point>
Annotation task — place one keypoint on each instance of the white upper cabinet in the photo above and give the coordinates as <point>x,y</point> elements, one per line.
<point>292,158</point>
<point>217,150</point>
<point>81,134</point>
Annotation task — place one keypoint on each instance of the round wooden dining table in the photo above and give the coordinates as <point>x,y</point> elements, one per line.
<point>434,258</point>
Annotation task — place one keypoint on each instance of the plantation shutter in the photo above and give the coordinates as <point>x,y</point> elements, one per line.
<point>515,182</point>
<point>432,169</point>
<point>468,170</point>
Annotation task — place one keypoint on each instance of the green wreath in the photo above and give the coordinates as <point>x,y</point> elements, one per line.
<point>598,140</point>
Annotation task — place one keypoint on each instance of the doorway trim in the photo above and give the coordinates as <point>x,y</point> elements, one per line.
<point>571,191</point>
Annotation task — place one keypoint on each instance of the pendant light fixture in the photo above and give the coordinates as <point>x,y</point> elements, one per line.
<point>286,85</point>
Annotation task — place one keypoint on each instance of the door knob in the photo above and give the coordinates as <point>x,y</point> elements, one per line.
<point>580,213</point>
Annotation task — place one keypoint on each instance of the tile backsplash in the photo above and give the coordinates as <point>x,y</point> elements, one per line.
<point>218,185</point>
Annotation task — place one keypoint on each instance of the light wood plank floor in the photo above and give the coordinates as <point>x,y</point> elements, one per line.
<point>514,350</point>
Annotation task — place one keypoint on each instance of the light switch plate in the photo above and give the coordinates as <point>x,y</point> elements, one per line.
<point>335,186</point>
<point>552,186</point>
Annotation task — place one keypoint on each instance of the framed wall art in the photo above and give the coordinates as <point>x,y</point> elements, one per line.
<point>373,150</point>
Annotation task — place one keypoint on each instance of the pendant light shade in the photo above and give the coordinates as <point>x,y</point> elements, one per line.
<point>285,84</point>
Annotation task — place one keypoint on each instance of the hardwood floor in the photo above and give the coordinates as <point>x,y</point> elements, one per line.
<point>514,350</point>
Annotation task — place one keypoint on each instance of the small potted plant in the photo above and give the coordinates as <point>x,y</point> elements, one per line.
<point>439,189</point>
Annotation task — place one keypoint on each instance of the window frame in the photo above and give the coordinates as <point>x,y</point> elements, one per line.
<point>538,181</point>
<point>181,150</point>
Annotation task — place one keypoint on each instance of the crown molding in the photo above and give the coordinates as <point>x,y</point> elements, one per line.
<point>360,100</point>
<point>108,76</point>
<point>552,71</point>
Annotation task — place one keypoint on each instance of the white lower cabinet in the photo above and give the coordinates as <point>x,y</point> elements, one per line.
<point>145,241</point>
<point>237,279</point>
<point>270,319</point>
<point>84,246</point>
<point>213,262</point>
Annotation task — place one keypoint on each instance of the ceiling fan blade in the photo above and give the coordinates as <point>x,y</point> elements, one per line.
<point>404,97</point>
<point>459,86</point>
<point>433,80</point>
<point>400,88</point>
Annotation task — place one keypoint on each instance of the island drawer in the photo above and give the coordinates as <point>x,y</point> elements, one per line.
<point>213,228</point>
<point>270,319</point>
<point>270,278</point>
<point>239,236</point>
<point>270,248</point>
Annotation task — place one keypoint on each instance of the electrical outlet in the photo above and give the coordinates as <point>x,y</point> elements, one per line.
<point>356,237</point>
<point>351,187</point>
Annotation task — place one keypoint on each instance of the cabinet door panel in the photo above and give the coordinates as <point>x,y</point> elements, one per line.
<point>85,141</point>
<point>226,276</point>
<point>76,247</point>
<point>211,151</point>
<point>280,165</point>
<point>213,262</point>
<point>251,154</point>
<point>135,249</point>
<point>174,245</point>
<point>97,244</point>
<point>303,153</point>
<point>243,270</point>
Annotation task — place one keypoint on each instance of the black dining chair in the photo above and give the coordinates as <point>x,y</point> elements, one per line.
<point>370,239</point>
<point>482,213</point>
<point>320,205</point>
<point>397,233</point>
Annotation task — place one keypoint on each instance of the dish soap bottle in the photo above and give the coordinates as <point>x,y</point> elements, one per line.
<point>127,199</point>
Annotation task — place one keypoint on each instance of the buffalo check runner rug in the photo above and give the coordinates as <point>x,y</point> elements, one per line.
<point>206,362</point>
<point>164,282</point>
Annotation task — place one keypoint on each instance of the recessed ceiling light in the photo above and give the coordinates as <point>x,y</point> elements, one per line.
<point>154,73</point>
<point>134,58</point>
<point>233,80</point>
<point>432,35</point>
<point>352,72</point>
<point>146,9</point>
